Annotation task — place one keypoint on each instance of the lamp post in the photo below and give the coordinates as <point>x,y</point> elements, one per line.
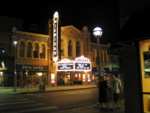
<point>97,32</point>
<point>15,75</point>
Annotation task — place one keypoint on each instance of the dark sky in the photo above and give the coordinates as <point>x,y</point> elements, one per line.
<point>103,13</point>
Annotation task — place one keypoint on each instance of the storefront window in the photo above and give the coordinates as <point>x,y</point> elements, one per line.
<point>145,73</point>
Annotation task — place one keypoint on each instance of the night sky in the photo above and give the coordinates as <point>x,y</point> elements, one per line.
<point>87,13</point>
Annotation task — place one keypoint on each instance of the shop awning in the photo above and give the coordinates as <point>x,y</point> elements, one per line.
<point>1,68</point>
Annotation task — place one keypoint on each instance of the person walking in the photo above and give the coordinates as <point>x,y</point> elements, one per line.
<point>102,92</point>
<point>117,90</point>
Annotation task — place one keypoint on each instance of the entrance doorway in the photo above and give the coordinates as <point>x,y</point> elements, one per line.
<point>63,79</point>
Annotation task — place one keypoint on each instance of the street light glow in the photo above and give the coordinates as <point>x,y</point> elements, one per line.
<point>97,32</point>
<point>15,42</point>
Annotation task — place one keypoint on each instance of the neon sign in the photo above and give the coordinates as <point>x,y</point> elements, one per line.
<point>80,64</point>
<point>55,36</point>
<point>65,66</point>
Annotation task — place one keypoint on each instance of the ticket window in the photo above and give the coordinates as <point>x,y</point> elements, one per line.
<point>84,78</point>
<point>78,77</point>
<point>88,77</point>
<point>68,76</point>
<point>145,73</point>
<point>52,78</point>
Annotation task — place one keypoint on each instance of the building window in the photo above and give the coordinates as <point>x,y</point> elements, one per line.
<point>62,47</point>
<point>105,57</point>
<point>93,55</point>
<point>42,51</point>
<point>29,50</point>
<point>78,49</point>
<point>70,48</point>
<point>35,51</point>
<point>22,49</point>
<point>101,56</point>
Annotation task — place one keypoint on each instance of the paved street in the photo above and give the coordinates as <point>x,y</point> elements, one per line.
<point>64,99</point>
<point>50,101</point>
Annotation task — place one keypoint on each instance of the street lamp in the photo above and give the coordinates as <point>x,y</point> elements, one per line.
<point>15,75</point>
<point>97,32</point>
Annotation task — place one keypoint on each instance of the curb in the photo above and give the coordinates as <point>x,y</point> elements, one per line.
<point>45,91</point>
<point>54,90</point>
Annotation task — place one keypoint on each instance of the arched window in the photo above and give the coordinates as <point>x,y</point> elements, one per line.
<point>62,47</point>
<point>78,48</point>
<point>42,51</point>
<point>35,51</point>
<point>22,49</point>
<point>29,50</point>
<point>70,48</point>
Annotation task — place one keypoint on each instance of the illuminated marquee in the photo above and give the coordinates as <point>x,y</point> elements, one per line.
<point>55,36</point>
<point>80,64</point>
<point>65,65</point>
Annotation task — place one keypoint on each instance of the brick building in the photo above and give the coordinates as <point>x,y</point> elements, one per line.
<point>32,56</point>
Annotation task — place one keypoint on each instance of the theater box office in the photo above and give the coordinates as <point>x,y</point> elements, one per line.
<point>76,71</point>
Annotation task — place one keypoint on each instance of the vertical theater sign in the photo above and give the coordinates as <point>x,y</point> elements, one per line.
<point>73,70</point>
<point>55,36</point>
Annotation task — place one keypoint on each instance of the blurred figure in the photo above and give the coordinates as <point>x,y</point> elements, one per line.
<point>102,91</point>
<point>117,90</point>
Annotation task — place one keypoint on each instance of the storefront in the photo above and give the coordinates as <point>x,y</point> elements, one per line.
<point>2,70</point>
<point>145,73</point>
<point>2,76</point>
<point>31,74</point>
<point>76,71</point>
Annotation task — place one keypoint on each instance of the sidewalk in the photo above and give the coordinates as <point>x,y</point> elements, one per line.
<point>92,109</point>
<point>35,89</point>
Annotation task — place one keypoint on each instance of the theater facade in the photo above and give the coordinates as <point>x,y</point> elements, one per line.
<point>64,55</point>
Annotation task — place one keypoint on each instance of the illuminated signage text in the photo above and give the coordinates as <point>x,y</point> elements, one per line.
<point>55,36</point>
<point>80,64</point>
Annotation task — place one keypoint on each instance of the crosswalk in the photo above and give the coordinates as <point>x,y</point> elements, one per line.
<point>23,105</point>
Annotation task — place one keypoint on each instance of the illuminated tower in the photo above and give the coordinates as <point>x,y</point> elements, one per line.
<point>56,37</point>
